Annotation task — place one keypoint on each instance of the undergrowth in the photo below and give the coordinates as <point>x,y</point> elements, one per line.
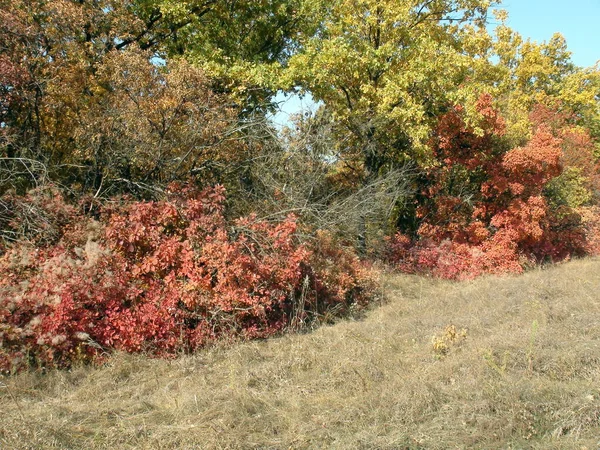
<point>163,278</point>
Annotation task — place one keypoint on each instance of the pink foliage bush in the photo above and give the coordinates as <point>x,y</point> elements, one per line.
<point>487,209</point>
<point>166,277</point>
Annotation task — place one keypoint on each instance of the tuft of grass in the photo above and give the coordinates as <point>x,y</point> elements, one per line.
<point>525,375</point>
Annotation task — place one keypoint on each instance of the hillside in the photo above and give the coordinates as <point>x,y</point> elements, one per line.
<point>523,374</point>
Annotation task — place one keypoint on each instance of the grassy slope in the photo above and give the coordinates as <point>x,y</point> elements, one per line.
<point>526,376</point>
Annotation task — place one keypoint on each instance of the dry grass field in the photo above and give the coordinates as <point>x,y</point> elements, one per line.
<point>511,362</point>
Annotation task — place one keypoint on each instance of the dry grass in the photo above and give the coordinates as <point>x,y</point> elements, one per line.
<point>527,375</point>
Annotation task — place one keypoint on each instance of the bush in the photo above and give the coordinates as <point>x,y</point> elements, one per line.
<point>166,277</point>
<point>39,217</point>
<point>489,209</point>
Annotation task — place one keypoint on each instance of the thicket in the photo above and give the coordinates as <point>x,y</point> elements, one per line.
<point>488,208</point>
<point>147,203</point>
<point>165,277</point>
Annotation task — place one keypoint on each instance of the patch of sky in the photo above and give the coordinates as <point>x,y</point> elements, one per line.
<point>289,104</point>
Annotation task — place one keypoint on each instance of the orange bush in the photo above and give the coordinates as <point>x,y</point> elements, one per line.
<point>488,209</point>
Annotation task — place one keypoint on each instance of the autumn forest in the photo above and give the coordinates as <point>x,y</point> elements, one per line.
<point>149,204</point>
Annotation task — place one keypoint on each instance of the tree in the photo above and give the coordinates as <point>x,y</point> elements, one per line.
<point>385,69</point>
<point>521,74</point>
<point>486,206</point>
<point>61,107</point>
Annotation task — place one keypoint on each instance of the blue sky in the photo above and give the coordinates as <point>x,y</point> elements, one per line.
<point>577,20</point>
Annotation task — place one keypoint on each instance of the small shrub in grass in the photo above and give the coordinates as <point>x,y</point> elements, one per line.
<point>451,338</point>
<point>165,277</point>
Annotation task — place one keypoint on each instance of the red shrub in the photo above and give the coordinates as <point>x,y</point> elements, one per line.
<point>165,277</point>
<point>486,210</point>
